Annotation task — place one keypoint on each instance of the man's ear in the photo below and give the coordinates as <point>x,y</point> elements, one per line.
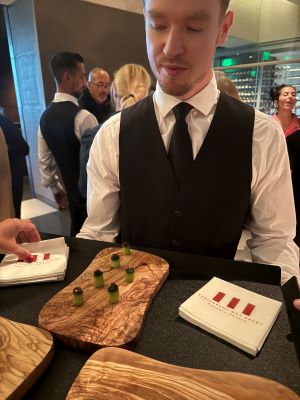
<point>66,76</point>
<point>224,28</point>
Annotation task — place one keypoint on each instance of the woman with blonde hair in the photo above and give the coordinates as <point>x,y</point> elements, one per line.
<point>131,84</point>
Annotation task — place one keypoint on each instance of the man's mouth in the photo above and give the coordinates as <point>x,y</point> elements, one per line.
<point>172,69</point>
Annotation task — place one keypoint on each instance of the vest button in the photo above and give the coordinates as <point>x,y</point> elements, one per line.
<point>175,243</point>
<point>178,213</point>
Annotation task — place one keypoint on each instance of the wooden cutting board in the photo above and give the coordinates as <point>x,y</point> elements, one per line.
<point>97,323</point>
<point>114,373</point>
<point>25,352</point>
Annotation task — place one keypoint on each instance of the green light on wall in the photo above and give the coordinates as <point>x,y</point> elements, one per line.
<point>253,73</point>
<point>266,55</point>
<point>227,62</point>
<point>286,58</point>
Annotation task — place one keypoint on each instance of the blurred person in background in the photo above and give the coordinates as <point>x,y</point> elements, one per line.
<point>17,150</point>
<point>6,199</point>
<point>131,84</point>
<point>293,145</point>
<point>95,96</point>
<point>61,127</point>
<point>284,98</point>
<point>226,85</point>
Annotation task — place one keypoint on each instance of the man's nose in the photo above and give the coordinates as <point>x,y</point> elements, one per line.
<point>173,44</point>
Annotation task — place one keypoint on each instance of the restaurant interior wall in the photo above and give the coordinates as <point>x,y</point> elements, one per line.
<point>104,36</point>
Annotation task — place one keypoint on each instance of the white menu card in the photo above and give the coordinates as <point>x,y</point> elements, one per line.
<point>50,258</point>
<point>239,316</point>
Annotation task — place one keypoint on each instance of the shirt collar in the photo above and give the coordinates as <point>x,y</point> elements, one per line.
<point>59,96</point>
<point>203,101</point>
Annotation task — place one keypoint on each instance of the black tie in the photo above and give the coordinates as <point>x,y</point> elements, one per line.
<point>180,151</point>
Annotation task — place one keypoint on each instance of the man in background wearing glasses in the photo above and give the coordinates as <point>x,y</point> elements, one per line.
<point>95,97</point>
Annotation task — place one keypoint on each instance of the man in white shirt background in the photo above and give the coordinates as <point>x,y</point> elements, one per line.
<point>239,173</point>
<point>61,128</point>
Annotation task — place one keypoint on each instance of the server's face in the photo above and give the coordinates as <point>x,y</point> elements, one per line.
<point>78,80</point>
<point>181,37</point>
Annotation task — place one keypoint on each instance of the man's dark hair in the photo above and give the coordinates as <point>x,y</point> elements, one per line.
<point>224,5</point>
<point>62,62</point>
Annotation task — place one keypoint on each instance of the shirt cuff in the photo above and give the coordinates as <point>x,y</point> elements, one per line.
<point>56,188</point>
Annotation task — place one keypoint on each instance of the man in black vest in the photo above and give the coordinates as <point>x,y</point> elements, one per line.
<point>187,168</point>
<point>61,127</point>
<point>95,97</point>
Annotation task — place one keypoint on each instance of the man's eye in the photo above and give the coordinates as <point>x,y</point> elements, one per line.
<point>196,30</point>
<point>158,27</point>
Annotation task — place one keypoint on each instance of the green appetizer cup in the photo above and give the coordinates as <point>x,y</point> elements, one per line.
<point>77,296</point>
<point>126,248</point>
<point>98,279</point>
<point>115,261</point>
<point>113,292</point>
<point>129,275</point>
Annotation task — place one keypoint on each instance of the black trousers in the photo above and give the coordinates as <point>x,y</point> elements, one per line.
<point>78,215</point>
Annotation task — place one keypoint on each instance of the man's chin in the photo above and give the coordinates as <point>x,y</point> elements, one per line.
<point>175,90</point>
<point>100,101</point>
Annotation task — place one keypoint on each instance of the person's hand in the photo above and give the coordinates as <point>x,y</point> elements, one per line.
<point>61,200</point>
<point>13,229</point>
<point>296,303</point>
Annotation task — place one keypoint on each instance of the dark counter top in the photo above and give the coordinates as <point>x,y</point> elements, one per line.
<point>165,336</point>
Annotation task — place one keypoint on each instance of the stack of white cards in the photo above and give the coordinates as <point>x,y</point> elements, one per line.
<point>239,316</point>
<point>50,258</point>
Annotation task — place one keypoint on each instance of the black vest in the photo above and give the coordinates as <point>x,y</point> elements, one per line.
<point>57,126</point>
<point>207,214</point>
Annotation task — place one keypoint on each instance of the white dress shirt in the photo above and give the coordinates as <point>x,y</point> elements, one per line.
<point>49,170</point>
<point>272,220</point>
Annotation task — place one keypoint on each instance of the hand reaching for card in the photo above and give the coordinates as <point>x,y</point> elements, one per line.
<point>15,229</point>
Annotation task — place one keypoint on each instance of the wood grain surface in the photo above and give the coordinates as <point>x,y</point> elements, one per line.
<point>115,373</point>
<point>25,352</point>
<point>97,323</point>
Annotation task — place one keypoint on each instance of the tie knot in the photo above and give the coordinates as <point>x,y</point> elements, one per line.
<point>181,111</point>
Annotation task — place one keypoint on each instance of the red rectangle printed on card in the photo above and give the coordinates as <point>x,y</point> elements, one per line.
<point>233,303</point>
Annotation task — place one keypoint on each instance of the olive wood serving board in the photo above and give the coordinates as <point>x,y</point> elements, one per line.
<point>25,353</point>
<point>98,323</point>
<point>115,373</point>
